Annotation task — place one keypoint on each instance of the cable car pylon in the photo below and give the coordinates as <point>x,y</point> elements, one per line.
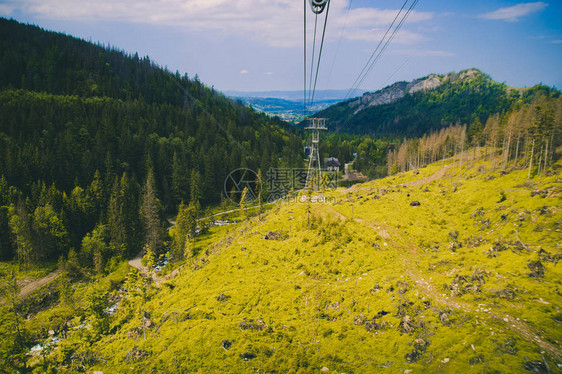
<point>314,180</point>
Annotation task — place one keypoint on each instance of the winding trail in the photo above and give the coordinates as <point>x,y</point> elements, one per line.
<point>38,283</point>
<point>404,252</point>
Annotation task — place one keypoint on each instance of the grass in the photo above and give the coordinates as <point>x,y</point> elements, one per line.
<point>366,284</point>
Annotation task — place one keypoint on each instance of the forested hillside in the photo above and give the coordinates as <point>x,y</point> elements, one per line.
<point>83,127</point>
<point>455,98</point>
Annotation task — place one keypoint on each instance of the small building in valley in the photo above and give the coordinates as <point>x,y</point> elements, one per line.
<point>332,164</point>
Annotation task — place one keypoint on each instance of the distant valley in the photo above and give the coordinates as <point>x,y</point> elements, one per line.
<point>288,105</point>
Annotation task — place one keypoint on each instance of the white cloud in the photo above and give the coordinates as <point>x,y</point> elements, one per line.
<point>513,13</point>
<point>556,42</point>
<point>276,23</point>
<point>423,53</point>
<point>268,73</point>
<point>244,72</point>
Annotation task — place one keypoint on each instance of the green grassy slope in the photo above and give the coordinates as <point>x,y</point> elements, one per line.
<point>367,283</point>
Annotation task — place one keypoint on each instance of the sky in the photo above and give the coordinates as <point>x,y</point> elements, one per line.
<point>257,45</point>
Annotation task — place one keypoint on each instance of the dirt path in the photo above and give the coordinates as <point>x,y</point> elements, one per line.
<point>433,177</point>
<point>136,262</point>
<point>429,290</point>
<point>38,283</point>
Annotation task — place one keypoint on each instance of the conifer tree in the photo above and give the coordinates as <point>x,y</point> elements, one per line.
<point>20,225</point>
<point>150,212</point>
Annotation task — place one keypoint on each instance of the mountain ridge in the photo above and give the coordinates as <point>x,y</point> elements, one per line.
<point>427,104</point>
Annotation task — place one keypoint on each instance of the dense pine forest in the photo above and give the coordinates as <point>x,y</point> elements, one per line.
<point>82,128</point>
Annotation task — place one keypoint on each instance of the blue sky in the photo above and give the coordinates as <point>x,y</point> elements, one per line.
<point>250,45</point>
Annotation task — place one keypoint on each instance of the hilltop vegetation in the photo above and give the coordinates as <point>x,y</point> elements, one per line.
<point>449,268</point>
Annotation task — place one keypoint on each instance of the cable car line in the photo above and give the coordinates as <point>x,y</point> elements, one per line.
<point>402,21</point>
<point>320,53</point>
<point>354,86</point>
<point>312,63</point>
<point>342,31</point>
<point>317,7</point>
<point>304,81</point>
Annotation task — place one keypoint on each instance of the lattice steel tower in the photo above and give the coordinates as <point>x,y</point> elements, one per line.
<point>314,173</point>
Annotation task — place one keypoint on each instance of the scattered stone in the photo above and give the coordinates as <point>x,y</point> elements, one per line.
<point>536,367</point>
<point>468,284</point>
<point>136,354</point>
<point>545,256</point>
<point>223,297</point>
<point>507,293</point>
<point>359,320</point>
<point>376,288</point>
<point>247,356</point>
<point>334,306</point>
<point>276,235</point>
<point>539,192</point>
<point>444,318</point>
<point>226,344</point>
<point>250,324</point>
<point>420,344</point>
<point>445,360</point>
<point>537,269</point>
<point>373,325</point>
<point>407,325</point>
<point>134,333</point>
<point>413,356</point>
<point>415,203</point>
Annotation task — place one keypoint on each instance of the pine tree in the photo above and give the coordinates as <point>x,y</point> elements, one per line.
<point>186,227</point>
<point>150,213</point>
<point>195,187</point>
<point>20,225</point>
<point>116,221</point>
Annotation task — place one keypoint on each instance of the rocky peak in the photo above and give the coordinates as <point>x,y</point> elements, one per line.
<point>394,92</point>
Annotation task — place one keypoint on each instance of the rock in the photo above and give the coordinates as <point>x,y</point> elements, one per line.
<point>407,325</point>
<point>536,367</point>
<point>539,192</point>
<point>247,356</point>
<point>420,344</point>
<point>136,354</point>
<point>324,369</point>
<point>413,356</point>
<point>415,203</point>
<point>537,269</point>
<point>51,332</point>
<point>445,360</point>
<point>226,344</point>
<point>134,333</point>
<point>376,288</point>
<point>276,235</point>
<point>250,324</point>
